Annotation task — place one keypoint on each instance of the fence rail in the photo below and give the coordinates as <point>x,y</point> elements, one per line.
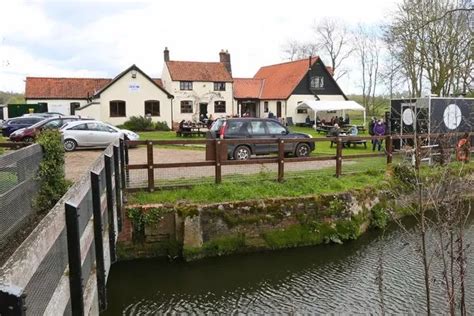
<point>217,153</point>
<point>62,266</point>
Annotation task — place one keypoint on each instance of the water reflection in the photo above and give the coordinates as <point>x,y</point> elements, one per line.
<point>335,278</point>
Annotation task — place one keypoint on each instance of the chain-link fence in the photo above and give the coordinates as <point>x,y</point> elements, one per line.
<point>18,188</point>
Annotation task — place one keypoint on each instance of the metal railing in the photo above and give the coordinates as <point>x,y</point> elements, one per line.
<point>62,266</point>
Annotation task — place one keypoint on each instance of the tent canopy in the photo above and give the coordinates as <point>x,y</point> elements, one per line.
<point>317,106</point>
<point>330,105</point>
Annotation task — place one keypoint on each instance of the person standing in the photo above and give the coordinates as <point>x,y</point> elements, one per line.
<point>379,130</point>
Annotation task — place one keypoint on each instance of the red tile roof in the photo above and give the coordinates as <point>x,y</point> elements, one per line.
<point>63,88</point>
<point>282,79</point>
<point>248,88</point>
<point>66,88</point>
<point>198,71</point>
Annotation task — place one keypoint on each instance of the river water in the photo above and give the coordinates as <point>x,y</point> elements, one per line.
<point>322,279</point>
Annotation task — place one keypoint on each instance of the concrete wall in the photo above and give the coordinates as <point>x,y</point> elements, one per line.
<point>203,92</point>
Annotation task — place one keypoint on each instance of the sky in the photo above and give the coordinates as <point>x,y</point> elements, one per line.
<point>102,38</point>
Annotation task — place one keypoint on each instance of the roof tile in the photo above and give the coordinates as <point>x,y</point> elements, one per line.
<point>198,71</point>
<point>67,88</point>
<point>248,88</point>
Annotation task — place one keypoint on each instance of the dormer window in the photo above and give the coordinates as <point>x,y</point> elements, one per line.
<point>219,86</point>
<point>186,85</point>
<point>317,83</point>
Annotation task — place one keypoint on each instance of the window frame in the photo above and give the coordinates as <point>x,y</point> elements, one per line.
<point>185,85</point>
<point>152,103</point>
<point>219,86</point>
<point>220,103</point>
<point>117,113</point>
<point>266,108</point>
<point>317,83</point>
<point>186,103</point>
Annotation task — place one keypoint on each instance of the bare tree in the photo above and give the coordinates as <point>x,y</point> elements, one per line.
<point>432,42</point>
<point>333,39</point>
<point>367,47</point>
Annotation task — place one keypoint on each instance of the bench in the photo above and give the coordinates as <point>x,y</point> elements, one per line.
<point>190,133</point>
<point>352,142</point>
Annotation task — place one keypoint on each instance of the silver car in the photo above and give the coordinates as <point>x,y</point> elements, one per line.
<point>92,134</point>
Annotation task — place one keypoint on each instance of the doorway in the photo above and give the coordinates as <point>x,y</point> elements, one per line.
<point>278,109</point>
<point>202,111</point>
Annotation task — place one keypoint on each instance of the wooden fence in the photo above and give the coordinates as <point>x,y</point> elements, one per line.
<point>62,266</point>
<point>219,153</point>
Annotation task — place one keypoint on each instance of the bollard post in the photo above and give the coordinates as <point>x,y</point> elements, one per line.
<point>118,191</point>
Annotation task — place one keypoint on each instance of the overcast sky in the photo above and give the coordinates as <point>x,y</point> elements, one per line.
<point>102,38</point>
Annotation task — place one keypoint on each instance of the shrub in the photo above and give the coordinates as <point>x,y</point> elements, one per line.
<point>52,181</point>
<point>139,124</point>
<point>162,126</point>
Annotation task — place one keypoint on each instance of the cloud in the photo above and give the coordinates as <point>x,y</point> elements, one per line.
<point>88,38</point>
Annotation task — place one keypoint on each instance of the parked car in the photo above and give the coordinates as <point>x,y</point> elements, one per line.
<point>19,122</point>
<point>255,128</point>
<point>29,134</point>
<point>92,134</point>
<point>44,114</point>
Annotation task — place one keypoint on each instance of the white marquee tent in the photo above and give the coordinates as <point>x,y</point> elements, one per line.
<point>317,106</point>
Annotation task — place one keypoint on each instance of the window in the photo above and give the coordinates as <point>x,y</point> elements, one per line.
<point>186,107</point>
<point>265,106</point>
<point>219,107</point>
<point>257,127</point>
<point>117,108</point>
<point>186,85</point>
<point>219,86</point>
<point>317,82</point>
<point>152,107</point>
<point>275,128</point>
<point>302,111</point>
<point>80,127</point>
<point>73,107</point>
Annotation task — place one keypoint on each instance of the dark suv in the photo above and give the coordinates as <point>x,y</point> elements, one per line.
<point>255,128</point>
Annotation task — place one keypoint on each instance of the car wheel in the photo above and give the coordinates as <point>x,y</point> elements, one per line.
<point>28,139</point>
<point>69,145</point>
<point>242,153</point>
<point>302,150</point>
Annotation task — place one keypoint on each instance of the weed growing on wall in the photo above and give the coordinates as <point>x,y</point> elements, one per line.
<point>52,181</point>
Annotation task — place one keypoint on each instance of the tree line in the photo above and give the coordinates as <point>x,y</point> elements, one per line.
<point>11,97</point>
<point>425,48</point>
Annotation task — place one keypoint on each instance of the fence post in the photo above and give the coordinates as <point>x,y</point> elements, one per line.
<point>127,172</point>
<point>338,157</point>
<point>418,152</point>
<point>122,162</point>
<point>118,193</point>
<point>12,302</point>
<point>110,206</point>
<point>218,161</point>
<point>98,241</point>
<point>151,170</point>
<point>281,159</point>
<point>74,259</point>
<point>389,147</point>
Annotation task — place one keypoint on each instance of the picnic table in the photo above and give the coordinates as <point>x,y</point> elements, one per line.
<point>198,130</point>
<point>348,143</point>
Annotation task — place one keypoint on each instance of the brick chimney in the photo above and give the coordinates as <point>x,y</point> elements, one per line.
<point>224,58</point>
<point>166,54</point>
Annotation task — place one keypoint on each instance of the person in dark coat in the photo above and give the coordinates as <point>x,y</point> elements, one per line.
<point>379,130</point>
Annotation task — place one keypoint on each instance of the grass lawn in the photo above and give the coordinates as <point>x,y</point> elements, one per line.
<point>359,174</point>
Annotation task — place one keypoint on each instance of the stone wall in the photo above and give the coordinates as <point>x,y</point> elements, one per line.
<point>196,231</point>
